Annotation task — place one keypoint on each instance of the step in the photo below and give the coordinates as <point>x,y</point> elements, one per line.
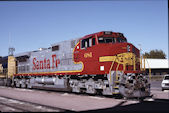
<point>116,87</point>
<point>116,93</point>
<point>117,81</point>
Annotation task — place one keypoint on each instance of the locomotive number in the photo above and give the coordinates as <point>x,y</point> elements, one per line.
<point>88,55</point>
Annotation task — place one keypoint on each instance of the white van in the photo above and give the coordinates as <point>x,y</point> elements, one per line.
<point>165,82</point>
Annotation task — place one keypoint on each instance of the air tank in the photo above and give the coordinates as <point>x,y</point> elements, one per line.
<point>43,80</point>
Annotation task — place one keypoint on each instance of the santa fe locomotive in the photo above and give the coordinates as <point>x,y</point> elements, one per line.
<point>102,62</point>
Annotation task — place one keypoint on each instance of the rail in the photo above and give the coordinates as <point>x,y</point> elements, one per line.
<point>27,106</point>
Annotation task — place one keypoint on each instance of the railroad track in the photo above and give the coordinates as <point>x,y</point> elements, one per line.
<point>15,105</point>
<point>116,96</point>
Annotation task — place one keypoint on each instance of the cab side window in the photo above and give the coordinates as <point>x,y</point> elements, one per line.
<point>118,40</point>
<point>93,41</point>
<point>85,43</point>
<point>90,42</point>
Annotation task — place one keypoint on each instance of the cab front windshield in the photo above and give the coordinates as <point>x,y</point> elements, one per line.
<point>111,40</point>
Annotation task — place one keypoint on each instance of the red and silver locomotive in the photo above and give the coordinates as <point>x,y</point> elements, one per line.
<point>103,62</point>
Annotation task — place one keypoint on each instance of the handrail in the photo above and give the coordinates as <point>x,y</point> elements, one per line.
<point>116,71</point>
<point>141,63</point>
<point>111,67</point>
<point>134,62</point>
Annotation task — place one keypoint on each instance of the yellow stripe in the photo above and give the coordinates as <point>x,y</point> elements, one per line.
<point>107,58</point>
<point>122,58</point>
<point>53,72</point>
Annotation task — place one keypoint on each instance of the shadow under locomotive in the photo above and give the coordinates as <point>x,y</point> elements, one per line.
<point>158,105</point>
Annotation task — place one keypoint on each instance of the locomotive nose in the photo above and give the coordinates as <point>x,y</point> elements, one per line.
<point>125,47</point>
<point>131,48</point>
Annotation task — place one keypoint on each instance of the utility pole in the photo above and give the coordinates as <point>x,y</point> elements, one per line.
<point>10,49</point>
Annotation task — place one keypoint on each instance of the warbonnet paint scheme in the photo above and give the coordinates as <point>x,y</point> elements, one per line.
<point>102,62</point>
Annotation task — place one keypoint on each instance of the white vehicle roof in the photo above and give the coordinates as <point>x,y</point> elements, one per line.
<point>156,63</point>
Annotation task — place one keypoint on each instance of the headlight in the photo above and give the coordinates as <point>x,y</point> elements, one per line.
<point>107,32</point>
<point>162,84</point>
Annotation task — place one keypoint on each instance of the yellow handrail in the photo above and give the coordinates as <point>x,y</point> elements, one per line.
<point>134,63</point>
<point>124,67</point>
<point>141,63</point>
<point>111,68</point>
<point>116,71</point>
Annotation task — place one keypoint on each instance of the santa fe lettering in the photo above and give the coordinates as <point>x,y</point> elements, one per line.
<point>45,64</point>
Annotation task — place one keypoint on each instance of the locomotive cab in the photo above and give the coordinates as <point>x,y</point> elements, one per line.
<point>102,47</point>
<point>102,38</point>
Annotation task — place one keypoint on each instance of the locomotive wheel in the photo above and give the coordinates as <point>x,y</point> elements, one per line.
<point>137,88</point>
<point>90,86</point>
<point>91,90</point>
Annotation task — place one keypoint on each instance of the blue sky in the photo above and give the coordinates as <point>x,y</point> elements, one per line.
<point>32,25</point>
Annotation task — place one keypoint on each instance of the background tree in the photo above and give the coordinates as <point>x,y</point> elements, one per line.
<point>158,54</point>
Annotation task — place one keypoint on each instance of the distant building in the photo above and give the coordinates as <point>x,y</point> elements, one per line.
<point>158,66</point>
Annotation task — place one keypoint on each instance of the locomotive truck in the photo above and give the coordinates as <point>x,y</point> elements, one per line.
<point>102,62</point>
